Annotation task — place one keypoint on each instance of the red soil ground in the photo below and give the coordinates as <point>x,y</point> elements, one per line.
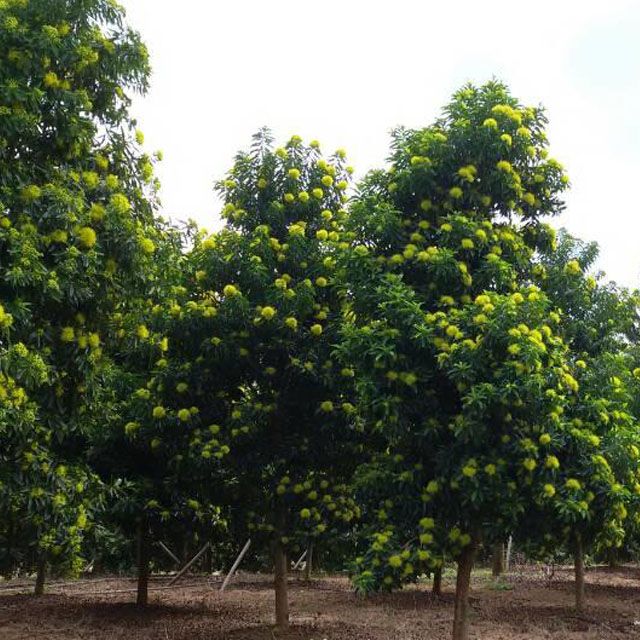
<point>522,605</point>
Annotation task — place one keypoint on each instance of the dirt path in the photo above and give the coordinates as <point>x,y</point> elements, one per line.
<point>521,606</point>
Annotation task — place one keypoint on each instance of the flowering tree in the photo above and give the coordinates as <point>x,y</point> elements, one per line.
<point>265,301</point>
<point>457,346</point>
<point>152,442</point>
<point>593,502</point>
<point>41,499</point>
<point>76,234</point>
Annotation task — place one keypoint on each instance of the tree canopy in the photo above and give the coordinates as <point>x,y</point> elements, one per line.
<point>405,369</point>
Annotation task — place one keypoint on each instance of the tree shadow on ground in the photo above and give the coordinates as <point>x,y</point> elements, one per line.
<point>553,618</point>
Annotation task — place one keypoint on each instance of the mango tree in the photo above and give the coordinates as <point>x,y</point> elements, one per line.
<point>267,283</point>
<point>457,349</point>
<point>146,445</point>
<point>596,479</point>
<point>76,233</point>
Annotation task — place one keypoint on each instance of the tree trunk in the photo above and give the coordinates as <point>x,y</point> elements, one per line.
<point>143,564</point>
<point>497,565</point>
<point>436,590</point>
<point>186,556</point>
<point>8,567</point>
<point>41,571</point>
<point>578,562</point>
<point>280,584</point>
<point>280,562</point>
<point>463,581</point>
<point>308,565</point>
<point>208,560</point>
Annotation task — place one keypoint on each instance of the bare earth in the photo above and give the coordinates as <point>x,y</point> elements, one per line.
<point>522,605</point>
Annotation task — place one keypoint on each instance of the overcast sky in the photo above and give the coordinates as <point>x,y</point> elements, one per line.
<point>346,72</point>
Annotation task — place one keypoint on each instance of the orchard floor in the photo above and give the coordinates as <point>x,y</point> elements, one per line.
<point>523,604</point>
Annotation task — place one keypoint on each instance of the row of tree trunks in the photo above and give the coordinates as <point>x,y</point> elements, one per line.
<point>463,577</point>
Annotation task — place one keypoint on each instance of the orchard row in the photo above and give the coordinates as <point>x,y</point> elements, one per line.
<point>405,368</point>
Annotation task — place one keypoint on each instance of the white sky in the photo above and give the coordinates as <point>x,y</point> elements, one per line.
<point>347,71</point>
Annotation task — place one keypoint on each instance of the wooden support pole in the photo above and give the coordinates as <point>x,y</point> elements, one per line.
<point>235,565</point>
<point>168,551</point>
<point>507,560</point>
<point>308,565</point>
<point>188,565</point>
<point>300,559</point>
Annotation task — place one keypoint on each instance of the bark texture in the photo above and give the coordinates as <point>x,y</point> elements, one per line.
<point>463,582</point>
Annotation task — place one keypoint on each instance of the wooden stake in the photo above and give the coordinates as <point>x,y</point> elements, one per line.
<point>188,565</point>
<point>507,560</point>
<point>168,551</point>
<point>300,559</point>
<point>308,565</point>
<point>235,565</point>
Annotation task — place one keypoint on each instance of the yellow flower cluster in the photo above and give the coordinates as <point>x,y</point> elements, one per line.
<point>508,112</point>
<point>86,237</point>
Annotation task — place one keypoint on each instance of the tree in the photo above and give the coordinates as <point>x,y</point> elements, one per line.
<point>159,441</point>
<point>597,477</point>
<point>58,499</point>
<point>264,300</point>
<point>76,236</point>
<point>456,346</point>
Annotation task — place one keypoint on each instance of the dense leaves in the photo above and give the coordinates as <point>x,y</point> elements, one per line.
<point>410,373</point>
<point>76,232</point>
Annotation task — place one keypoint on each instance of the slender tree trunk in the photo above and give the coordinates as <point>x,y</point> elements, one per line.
<point>578,562</point>
<point>280,585</point>
<point>186,556</point>
<point>208,560</point>
<point>280,562</point>
<point>463,582</point>
<point>143,564</point>
<point>7,569</point>
<point>436,589</point>
<point>497,565</point>
<point>308,565</point>
<point>41,572</point>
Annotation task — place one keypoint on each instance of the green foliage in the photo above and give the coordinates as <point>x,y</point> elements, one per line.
<point>77,197</point>
<point>466,368</point>
<point>599,319</point>
<point>426,364</point>
<point>256,333</point>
